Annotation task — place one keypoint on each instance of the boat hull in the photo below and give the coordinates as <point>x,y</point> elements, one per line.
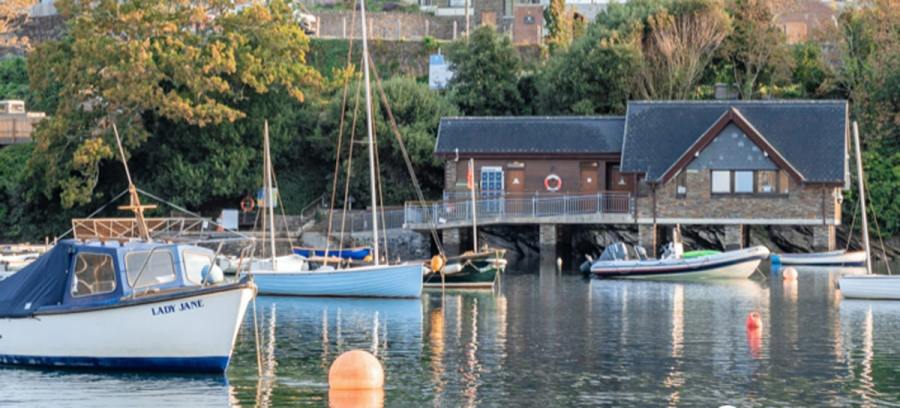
<point>874,287</point>
<point>834,258</point>
<point>389,281</point>
<point>190,333</point>
<point>468,278</point>
<point>739,264</point>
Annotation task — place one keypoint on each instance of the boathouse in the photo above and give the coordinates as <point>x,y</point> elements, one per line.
<point>728,163</point>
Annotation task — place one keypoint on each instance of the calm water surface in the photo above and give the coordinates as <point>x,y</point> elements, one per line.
<point>542,339</point>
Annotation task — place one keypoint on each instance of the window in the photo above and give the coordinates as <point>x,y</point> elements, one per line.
<point>743,182</point>
<point>766,182</point>
<point>681,185</point>
<point>157,270</point>
<point>783,182</point>
<point>721,181</point>
<point>195,264</point>
<point>94,274</point>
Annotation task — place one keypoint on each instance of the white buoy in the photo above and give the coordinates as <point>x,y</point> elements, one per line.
<point>789,273</point>
<point>559,264</point>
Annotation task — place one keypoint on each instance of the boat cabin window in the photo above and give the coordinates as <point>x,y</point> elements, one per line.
<point>94,274</point>
<point>159,269</point>
<point>195,263</point>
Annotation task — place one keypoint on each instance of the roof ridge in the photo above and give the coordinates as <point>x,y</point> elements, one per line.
<point>547,117</point>
<point>741,101</point>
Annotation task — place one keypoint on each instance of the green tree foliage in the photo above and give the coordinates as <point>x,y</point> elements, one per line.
<point>136,62</point>
<point>13,79</point>
<point>811,73</point>
<point>756,52</point>
<point>12,181</point>
<point>485,74</point>
<point>417,111</point>
<point>561,25</point>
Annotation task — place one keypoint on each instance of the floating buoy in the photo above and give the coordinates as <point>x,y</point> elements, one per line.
<point>789,274</point>
<point>754,321</point>
<point>437,263</point>
<point>558,264</point>
<point>356,370</point>
<point>356,398</point>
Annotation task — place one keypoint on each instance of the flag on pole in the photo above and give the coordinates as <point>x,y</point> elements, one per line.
<point>470,175</point>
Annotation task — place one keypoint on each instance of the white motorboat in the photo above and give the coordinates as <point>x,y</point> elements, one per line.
<point>831,258</point>
<point>739,264</point>
<point>133,306</point>
<point>883,287</point>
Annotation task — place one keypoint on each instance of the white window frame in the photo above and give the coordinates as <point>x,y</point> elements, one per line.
<point>150,254</point>
<point>737,173</point>
<point>75,281</point>
<point>712,183</point>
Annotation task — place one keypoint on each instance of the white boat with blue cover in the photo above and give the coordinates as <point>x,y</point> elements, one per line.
<point>381,281</point>
<point>739,264</point>
<point>131,306</point>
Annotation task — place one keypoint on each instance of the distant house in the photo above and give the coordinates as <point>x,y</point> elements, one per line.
<point>16,124</point>
<point>728,163</point>
<point>805,20</point>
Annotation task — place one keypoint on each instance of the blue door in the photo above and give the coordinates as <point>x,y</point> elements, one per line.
<point>491,190</point>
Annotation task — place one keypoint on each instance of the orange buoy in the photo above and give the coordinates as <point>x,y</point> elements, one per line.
<point>789,274</point>
<point>356,398</point>
<point>437,263</point>
<point>356,370</point>
<point>754,321</point>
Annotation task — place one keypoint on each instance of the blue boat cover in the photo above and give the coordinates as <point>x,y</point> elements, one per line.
<point>41,283</point>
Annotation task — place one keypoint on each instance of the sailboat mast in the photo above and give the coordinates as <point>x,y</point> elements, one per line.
<point>371,133</point>
<point>474,206</point>
<point>268,199</point>
<point>862,198</point>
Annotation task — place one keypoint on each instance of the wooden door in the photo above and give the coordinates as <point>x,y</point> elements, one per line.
<point>515,191</point>
<point>616,181</point>
<point>589,183</point>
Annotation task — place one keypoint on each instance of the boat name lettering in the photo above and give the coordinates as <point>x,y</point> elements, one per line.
<point>181,307</point>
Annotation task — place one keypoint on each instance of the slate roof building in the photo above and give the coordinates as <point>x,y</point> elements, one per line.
<point>728,163</point>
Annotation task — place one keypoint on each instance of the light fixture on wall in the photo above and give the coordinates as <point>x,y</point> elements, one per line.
<point>621,181</point>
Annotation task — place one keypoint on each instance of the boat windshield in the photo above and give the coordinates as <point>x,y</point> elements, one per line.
<point>144,272</point>
<point>94,274</point>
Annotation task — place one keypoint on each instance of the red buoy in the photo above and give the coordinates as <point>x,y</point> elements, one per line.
<point>754,321</point>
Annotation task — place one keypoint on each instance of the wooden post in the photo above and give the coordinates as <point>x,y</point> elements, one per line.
<point>454,30</point>
<point>427,24</point>
<point>344,27</point>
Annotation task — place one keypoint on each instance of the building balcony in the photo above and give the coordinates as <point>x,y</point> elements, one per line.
<point>457,211</point>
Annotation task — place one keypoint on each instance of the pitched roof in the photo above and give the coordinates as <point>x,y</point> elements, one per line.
<point>530,135</point>
<point>810,136</point>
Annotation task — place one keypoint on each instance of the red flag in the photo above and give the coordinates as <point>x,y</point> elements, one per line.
<point>470,175</point>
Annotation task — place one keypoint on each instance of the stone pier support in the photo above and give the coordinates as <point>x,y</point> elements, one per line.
<point>547,238</point>
<point>648,238</point>
<point>450,239</point>
<point>734,237</point>
<point>824,238</point>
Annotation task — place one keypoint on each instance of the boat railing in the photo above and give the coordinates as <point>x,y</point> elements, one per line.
<point>496,209</point>
<point>389,218</point>
<point>123,229</point>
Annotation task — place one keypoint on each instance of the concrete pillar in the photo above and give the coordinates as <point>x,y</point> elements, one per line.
<point>450,240</point>
<point>734,237</point>
<point>547,238</point>
<point>648,239</point>
<point>824,238</point>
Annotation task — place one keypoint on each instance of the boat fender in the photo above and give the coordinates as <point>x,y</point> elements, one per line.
<point>789,274</point>
<point>754,321</point>
<point>437,263</point>
<point>553,183</point>
<point>213,274</point>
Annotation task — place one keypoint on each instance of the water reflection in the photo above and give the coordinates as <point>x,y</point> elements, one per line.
<point>543,339</point>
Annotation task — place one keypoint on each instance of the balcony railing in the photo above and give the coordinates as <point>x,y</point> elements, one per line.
<point>454,210</point>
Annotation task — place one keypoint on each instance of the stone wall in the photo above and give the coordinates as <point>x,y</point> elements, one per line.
<point>807,203</point>
<point>390,25</point>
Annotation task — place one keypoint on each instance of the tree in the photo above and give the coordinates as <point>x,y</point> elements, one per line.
<point>13,14</point>
<point>678,44</point>
<point>560,24</point>
<point>417,111</point>
<point>811,72</point>
<point>13,79</point>
<point>485,74</point>
<point>757,49</point>
<point>139,63</point>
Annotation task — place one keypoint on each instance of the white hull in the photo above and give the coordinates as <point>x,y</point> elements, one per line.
<point>740,264</point>
<point>392,281</point>
<point>191,333</point>
<point>870,287</point>
<point>833,258</point>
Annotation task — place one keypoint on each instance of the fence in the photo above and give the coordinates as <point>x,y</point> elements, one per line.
<point>494,210</point>
<point>361,220</point>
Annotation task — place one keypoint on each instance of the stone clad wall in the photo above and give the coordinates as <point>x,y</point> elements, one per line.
<point>803,202</point>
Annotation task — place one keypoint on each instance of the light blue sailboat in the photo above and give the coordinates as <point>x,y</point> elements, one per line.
<point>291,275</point>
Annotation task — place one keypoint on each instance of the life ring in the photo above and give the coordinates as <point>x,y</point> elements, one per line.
<point>248,204</point>
<point>553,183</point>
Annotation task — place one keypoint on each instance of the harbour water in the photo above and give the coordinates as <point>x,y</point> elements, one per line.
<point>542,339</point>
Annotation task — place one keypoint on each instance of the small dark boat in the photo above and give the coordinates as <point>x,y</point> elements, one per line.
<point>468,271</point>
